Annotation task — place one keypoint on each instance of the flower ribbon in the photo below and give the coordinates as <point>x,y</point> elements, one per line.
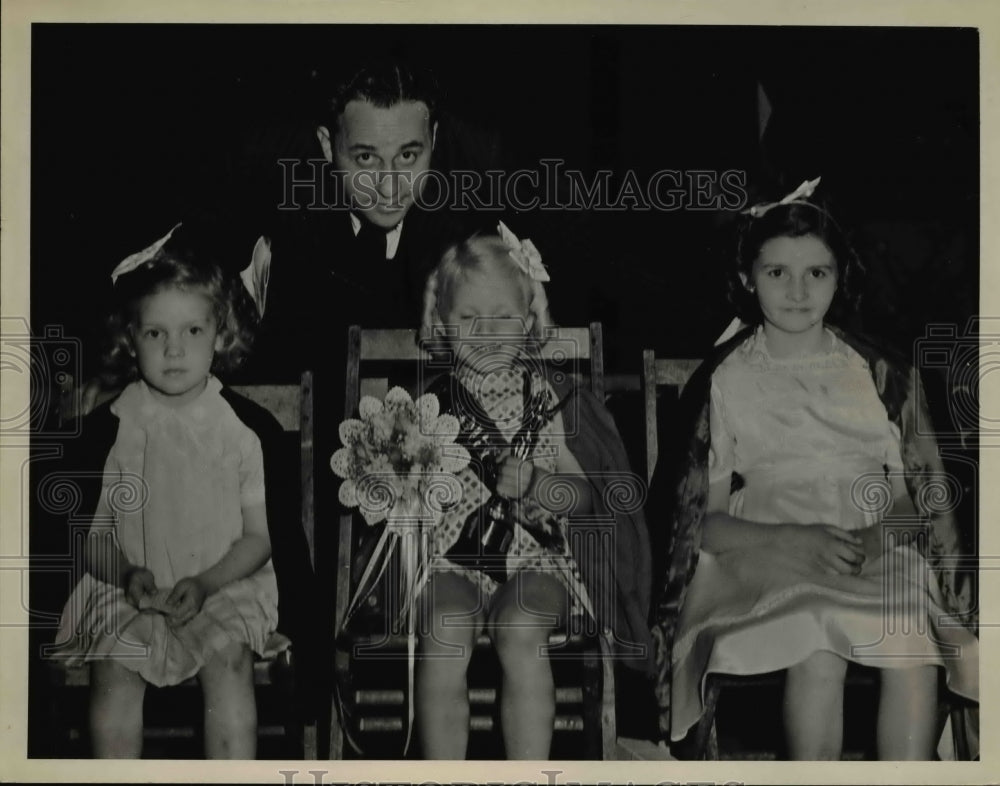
<point>132,261</point>
<point>524,253</point>
<point>800,194</point>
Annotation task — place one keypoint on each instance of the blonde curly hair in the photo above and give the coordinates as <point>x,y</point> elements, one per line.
<point>474,254</point>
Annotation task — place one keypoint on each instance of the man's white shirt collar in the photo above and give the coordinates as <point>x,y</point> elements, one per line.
<point>391,237</point>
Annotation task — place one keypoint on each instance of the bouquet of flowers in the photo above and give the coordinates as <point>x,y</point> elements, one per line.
<point>399,459</point>
<point>398,464</point>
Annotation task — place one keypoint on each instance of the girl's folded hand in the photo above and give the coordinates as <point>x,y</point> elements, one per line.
<point>823,547</point>
<point>139,582</point>
<point>186,599</point>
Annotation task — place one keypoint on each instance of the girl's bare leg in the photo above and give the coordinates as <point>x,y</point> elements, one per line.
<point>230,704</point>
<point>526,610</point>
<point>814,708</point>
<point>116,695</point>
<point>907,714</point>
<point>451,615</point>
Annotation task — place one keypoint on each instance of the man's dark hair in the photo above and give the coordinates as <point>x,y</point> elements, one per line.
<point>384,83</point>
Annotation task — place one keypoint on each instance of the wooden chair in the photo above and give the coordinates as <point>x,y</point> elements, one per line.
<point>370,701</point>
<point>275,673</point>
<point>667,377</point>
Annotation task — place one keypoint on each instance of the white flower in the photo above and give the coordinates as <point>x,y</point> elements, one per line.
<point>341,462</point>
<point>382,425</point>
<point>351,431</point>
<point>348,494</point>
<point>397,399</point>
<point>369,407</point>
<point>427,408</point>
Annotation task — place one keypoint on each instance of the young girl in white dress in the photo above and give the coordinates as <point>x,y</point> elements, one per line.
<point>179,580</point>
<point>810,559</point>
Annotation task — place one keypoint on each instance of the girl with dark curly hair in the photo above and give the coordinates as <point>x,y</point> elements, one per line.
<point>804,534</point>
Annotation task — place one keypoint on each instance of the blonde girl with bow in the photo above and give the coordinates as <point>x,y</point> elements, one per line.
<point>504,559</point>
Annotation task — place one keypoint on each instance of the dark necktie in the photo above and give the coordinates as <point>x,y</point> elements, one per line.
<point>371,243</point>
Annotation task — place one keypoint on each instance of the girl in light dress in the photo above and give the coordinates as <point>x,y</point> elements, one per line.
<point>807,510</point>
<point>522,580</point>
<point>179,580</point>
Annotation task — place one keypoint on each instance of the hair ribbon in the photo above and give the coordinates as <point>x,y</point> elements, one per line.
<point>524,253</point>
<point>801,193</point>
<point>132,261</point>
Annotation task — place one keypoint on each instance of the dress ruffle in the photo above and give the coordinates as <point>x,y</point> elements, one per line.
<point>103,625</point>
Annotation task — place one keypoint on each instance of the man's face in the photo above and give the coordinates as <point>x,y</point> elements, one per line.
<point>381,152</point>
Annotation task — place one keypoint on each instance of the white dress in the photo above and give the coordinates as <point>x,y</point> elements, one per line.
<point>175,483</point>
<point>812,442</point>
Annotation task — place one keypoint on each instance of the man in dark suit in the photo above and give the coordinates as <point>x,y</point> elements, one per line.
<point>360,254</point>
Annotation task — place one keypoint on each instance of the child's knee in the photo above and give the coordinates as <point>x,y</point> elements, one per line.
<point>110,680</point>
<point>911,680</point>
<point>519,636</point>
<point>823,667</point>
<point>234,659</point>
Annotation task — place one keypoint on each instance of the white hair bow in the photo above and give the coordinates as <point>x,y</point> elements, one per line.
<point>132,261</point>
<point>257,274</point>
<point>804,191</point>
<point>524,253</point>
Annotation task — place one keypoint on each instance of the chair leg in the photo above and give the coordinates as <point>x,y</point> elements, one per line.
<point>609,731</point>
<point>959,734</point>
<point>336,729</point>
<point>706,742</point>
<point>60,740</point>
<point>310,742</point>
<point>599,707</point>
<point>712,749</point>
<point>283,676</point>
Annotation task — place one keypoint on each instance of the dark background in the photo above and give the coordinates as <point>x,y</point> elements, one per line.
<point>134,126</point>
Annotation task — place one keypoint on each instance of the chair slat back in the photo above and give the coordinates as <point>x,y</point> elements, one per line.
<point>658,373</point>
<point>292,407</point>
